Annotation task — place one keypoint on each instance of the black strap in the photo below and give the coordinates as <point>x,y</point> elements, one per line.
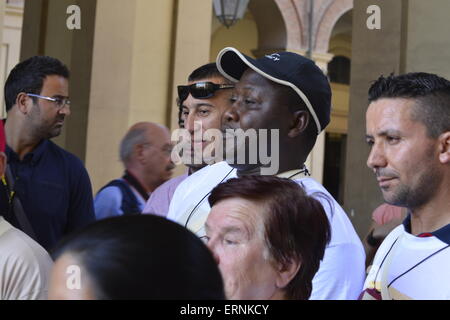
<point>128,177</point>
<point>17,207</point>
<point>130,204</point>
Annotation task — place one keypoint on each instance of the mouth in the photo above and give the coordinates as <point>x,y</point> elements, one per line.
<point>384,182</point>
<point>201,143</point>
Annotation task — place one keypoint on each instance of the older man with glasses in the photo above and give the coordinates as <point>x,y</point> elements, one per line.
<point>145,152</point>
<point>51,187</point>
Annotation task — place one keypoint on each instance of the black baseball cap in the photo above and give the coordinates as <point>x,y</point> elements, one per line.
<point>285,68</point>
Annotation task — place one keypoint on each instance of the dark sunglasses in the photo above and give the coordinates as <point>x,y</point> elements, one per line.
<point>201,90</point>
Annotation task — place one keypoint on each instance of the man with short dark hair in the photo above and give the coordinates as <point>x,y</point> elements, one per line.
<point>52,184</point>
<point>289,97</point>
<point>267,236</point>
<point>202,103</point>
<point>145,153</point>
<point>408,131</point>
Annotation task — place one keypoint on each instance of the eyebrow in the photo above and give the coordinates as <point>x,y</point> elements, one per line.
<point>230,229</point>
<point>388,132</point>
<point>198,105</point>
<point>204,104</point>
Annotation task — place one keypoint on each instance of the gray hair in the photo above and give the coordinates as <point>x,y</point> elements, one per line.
<point>131,139</point>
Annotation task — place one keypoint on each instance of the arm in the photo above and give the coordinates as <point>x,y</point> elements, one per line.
<point>81,206</point>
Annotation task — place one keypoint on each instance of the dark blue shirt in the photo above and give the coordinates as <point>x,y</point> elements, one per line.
<point>54,189</point>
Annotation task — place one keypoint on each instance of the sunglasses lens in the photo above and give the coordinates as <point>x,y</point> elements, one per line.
<point>202,90</point>
<point>183,93</point>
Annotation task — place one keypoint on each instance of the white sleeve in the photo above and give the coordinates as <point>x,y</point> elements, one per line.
<point>340,276</point>
<point>25,268</point>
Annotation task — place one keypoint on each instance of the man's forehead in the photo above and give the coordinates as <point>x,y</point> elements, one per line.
<point>389,114</point>
<point>193,103</point>
<point>253,81</point>
<point>214,79</point>
<point>55,82</point>
<point>235,212</point>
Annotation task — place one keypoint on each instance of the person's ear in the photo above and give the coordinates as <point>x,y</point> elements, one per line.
<point>139,152</point>
<point>22,102</point>
<point>2,164</point>
<point>287,272</point>
<point>299,124</point>
<point>444,148</point>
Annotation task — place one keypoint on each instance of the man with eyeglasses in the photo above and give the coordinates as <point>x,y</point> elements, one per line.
<point>202,103</point>
<point>51,186</point>
<point>145,152</point>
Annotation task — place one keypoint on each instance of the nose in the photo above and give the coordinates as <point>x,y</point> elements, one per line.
<point>376,158</point>
<point>231,114</point>
<point>213,251</point>
<point>189,123</point>
<point>65,110</point>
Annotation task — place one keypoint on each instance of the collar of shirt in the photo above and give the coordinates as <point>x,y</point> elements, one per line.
<point>293,174</point>
<point>442,234</point>
<point>33,156</point>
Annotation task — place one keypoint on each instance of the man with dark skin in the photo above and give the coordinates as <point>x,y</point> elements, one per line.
<point>286,94</point>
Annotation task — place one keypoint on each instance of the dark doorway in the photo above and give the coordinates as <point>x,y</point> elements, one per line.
<point>334,164</point>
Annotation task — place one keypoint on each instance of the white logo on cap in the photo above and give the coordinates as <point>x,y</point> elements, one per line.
<point>274,56</point>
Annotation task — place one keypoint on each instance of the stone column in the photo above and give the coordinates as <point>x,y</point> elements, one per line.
<point>131,59</point>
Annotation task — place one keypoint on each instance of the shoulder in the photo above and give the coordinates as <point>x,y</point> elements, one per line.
<point>69,158</point>
<point>107,202</point>
<point>389,240</point>
<point>169,186</point>
<point>109,192</point>
<point>318,191</point>
<point>206,178</point>
<point>25,263</point>
<point>311,185</point>
<point>22,247</point>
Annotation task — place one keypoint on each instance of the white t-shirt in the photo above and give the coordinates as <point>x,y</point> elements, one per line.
<point>410,267</point>
<point>24,265</point>
<point>342,271</point>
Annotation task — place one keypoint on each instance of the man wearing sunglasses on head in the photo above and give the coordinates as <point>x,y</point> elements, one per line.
<point>49,187</point>
<point>202,103</point>
<point>288,95</point>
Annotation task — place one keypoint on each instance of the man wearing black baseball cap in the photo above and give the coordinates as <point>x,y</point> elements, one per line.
<point>288,94</point>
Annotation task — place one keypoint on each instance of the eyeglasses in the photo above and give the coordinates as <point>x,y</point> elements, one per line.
<point>166,149</point>
<point>59,101</point>
<point>201,90</point>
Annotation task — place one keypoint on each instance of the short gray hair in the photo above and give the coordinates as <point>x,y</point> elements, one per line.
<point>131,139</point>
